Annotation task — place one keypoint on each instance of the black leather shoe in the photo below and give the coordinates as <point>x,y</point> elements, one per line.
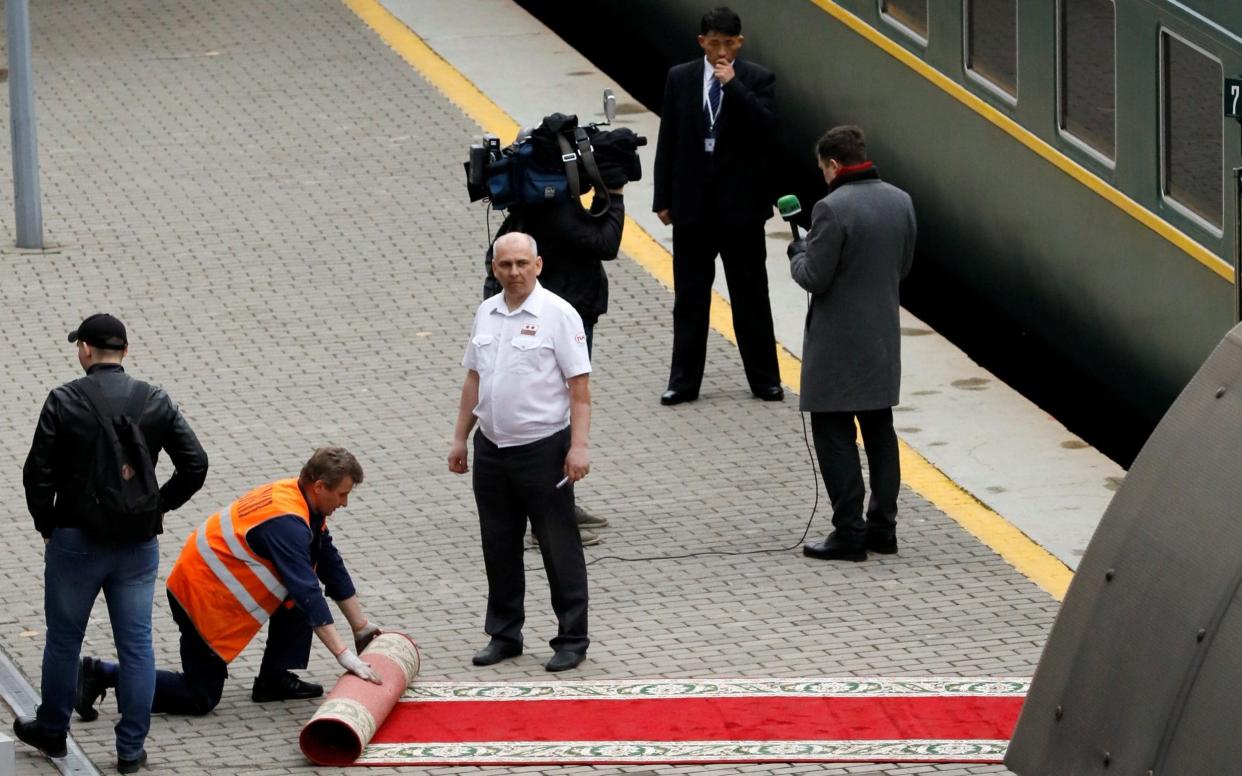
<point>283,687</point>
<point>833,549</point>
<point>882,542</point>
<point>564,660</point>
<point>90,689</point>
<point>771,393</point>
<point>671,397</point>
<point>29,731</point>
<point>495,651</point>
<point>131,766</point>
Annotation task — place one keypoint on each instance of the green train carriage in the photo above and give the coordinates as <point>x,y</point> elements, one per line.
<point>1070,159</point>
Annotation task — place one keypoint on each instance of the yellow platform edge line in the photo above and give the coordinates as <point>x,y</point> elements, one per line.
<point>1032,141</point>
<point>1033,561</point>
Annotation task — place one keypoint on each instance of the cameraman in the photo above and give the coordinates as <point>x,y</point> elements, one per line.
<point>574,244</point>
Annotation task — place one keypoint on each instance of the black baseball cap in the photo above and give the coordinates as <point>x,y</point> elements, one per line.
<point>101,331</point>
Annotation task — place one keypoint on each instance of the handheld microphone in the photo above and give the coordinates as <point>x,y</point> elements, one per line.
<point>789,206</point>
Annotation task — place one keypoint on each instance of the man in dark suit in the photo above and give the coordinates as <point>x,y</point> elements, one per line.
<point>711,184</point>
<point>860,247</point>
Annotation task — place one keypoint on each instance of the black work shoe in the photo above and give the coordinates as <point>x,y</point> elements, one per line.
<point>283,687</point>
<point>132,766</point>
<point>671,397</point>
<point>770,393</point>
<point>29,731</point>
<point>495,651</point>
<point>833,548</point>
<point>884,543</point>
<point>90,689</point>
<point>564,660</point>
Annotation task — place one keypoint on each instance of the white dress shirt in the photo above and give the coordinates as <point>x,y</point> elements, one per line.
<point>523,359</point>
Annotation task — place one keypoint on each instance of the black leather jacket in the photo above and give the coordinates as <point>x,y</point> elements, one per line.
<point>64,442</point>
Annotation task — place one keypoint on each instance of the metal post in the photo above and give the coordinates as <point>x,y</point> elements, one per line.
<point>1237,245</point>
<point>26,199</point>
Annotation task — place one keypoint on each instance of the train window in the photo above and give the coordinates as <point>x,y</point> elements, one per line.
<point>1088,99</point>
<point>992,42</point>
<point>1191,136</point>
<point>909,14</point>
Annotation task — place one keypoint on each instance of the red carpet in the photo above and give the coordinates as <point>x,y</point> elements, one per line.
<point>664,721</point>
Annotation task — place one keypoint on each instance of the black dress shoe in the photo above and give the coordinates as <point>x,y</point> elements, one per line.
<point>771,393</point>
<point>564,660</point>
<point>883,543</point>
<point>131,766</point>
<point>834,549</point>
<point>29,731</point>
<point>91,688</point>
<point>671,397</point>
<point>495,651</point>
<point>283,687</point>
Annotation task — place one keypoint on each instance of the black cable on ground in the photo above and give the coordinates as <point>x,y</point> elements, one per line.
<point>814,506</point>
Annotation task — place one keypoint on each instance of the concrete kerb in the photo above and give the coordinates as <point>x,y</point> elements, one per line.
<point>23,700</point>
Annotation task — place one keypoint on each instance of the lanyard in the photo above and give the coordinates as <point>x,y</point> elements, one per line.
<point>712,116</point>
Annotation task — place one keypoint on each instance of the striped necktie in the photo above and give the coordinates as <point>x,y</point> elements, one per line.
<point>712,109</point>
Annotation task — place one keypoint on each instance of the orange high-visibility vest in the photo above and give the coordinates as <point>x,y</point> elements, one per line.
<point>227,590</point>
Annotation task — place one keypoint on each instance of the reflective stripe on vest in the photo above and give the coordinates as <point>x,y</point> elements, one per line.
<point>227,591</point>
<point>239,591</point>
<point>268,579</point>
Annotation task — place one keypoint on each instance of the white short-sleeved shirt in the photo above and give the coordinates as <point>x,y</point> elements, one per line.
<point>524,359</point>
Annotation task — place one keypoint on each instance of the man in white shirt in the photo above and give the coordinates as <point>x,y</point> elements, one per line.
<point>527,386</point>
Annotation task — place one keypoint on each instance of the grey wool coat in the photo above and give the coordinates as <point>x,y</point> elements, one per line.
<point>860,246</point>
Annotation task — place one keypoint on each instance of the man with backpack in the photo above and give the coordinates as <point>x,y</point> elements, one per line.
<point>91,489</point>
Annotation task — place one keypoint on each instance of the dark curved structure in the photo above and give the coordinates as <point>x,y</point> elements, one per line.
<point>1141,673</point>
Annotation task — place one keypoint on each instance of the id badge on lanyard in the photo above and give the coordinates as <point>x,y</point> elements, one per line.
<point>709,145</point>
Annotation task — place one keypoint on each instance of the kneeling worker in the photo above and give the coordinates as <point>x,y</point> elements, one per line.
<point>259,559</point>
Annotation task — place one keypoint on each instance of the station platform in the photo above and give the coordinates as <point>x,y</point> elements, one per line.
<point>271,197</point>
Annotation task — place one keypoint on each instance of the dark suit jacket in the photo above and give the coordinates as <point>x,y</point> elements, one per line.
<point>738,177</point>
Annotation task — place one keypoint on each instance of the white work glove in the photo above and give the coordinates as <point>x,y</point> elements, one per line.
<point>355,665</point>
<point>365,635</point>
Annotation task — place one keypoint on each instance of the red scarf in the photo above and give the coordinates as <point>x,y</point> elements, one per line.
<point>848,169</point>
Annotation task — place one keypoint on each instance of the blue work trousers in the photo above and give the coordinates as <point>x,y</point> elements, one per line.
<point>76,569</point>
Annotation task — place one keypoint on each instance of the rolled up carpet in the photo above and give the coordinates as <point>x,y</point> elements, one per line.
<point>355,708</point>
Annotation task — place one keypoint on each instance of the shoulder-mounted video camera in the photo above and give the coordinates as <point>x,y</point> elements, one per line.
<point>556,161</point>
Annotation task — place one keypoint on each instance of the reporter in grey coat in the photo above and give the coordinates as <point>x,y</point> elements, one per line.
<point>860,247</point>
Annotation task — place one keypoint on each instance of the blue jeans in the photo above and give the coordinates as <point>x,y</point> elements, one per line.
<point>76,569</point>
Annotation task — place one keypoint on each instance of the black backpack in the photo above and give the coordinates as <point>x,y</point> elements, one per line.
<point>122,494</point>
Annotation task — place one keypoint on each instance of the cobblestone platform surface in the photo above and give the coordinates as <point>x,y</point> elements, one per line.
<point>272,200</point>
